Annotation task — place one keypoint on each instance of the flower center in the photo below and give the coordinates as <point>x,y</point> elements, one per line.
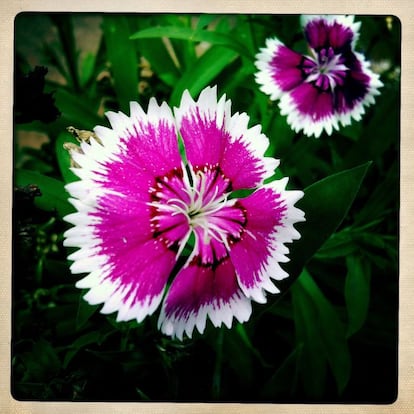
<point>195,201</point>
<point>327,70</point>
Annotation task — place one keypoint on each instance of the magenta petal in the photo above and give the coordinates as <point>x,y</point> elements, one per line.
<point>153,139</point>
<point>340,37</point>
<point>197,286</point>
<point>287,67</point>
<point>242,166</point>
<point>121,218</point>
<point>131,282</point>
<point>323,34</point>
<point>312,101</point>
<point>213,136</point>
<point>143,271</point>
<point>209,250</point>
<point>265,213</point>
<point>203,138</point>
<point>229,218</point>
<point>199,292</point>
<point>146,265</point>
<point>173,228</point>
<point>216,232</point>
<point>270,215</point>
<point>148,148</point>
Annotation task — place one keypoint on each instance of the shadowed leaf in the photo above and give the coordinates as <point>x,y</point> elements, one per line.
<point>54,195</point>
<point>326,204</point>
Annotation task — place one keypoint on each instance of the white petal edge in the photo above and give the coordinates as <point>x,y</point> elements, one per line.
<point>285,233</point>
<point>264,76</point>
<point>239,307</point>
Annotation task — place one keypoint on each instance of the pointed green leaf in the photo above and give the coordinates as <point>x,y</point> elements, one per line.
<point>312,364</point>
<point>159,56</point>
<point>65,28</point>
<point>324,332</point>
<point>238,356</point>
<point>369,146</point>
<point>77,111</point>
<point>84,340</point>
<point>123,59</point>
<point>339,244</point>
<point>357,292</point>
<point>205,19</point>
<point>54,195</point>
<point>245,340</point>
<point>383,197</point>
<point>84,313</point>
<point>187,33</point>
<point>87,67</point>
<point>325,203</point>
<point>283,382</point>
<point>206,68</point>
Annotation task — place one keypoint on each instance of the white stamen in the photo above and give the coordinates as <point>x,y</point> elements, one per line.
<point>328,67</point>
<point>196,209</point>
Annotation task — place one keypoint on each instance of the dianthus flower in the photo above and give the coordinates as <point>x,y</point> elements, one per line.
<point>154,224</point>
<point>328,88</point>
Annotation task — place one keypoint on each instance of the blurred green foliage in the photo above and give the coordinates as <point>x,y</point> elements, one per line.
<point>331,336</point>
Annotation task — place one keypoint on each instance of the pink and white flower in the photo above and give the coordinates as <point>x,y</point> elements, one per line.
<point>142,204</point>
<point>328,88</point>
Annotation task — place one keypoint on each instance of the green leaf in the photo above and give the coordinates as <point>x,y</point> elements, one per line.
<point>123,59</point>
<point>187,33</point>
<point>77,111</point>
<point>84,313</point>
<point>384,196</point>
<point>184,50</point>
<point>303,159</point>
<point>63,157</point>
<point>162,62</point>
<point>239,356</point>
<point>356,238</point>
<point>42,363</point>
<point>54,195</point>
<point>84,340</point>
<point>283,382</point>
<point>312,364</point>
<point>65,29</point>
<point>243,336</point>
<point>357,292</point>
<point>142,394</point>
<point>326,204</point>
<point>204,20</point>
<point>321,331</point>
<point>369,146</point>
<point>339,244</point>
<point>87,68</point>
<point>207,67</point>
<point>279,133</point>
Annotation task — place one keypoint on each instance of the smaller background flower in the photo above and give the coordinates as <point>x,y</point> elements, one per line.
<point>329,87</point>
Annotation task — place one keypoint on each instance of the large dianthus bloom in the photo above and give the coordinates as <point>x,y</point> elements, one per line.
<point>141,205</point>
<point>320,91</point>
